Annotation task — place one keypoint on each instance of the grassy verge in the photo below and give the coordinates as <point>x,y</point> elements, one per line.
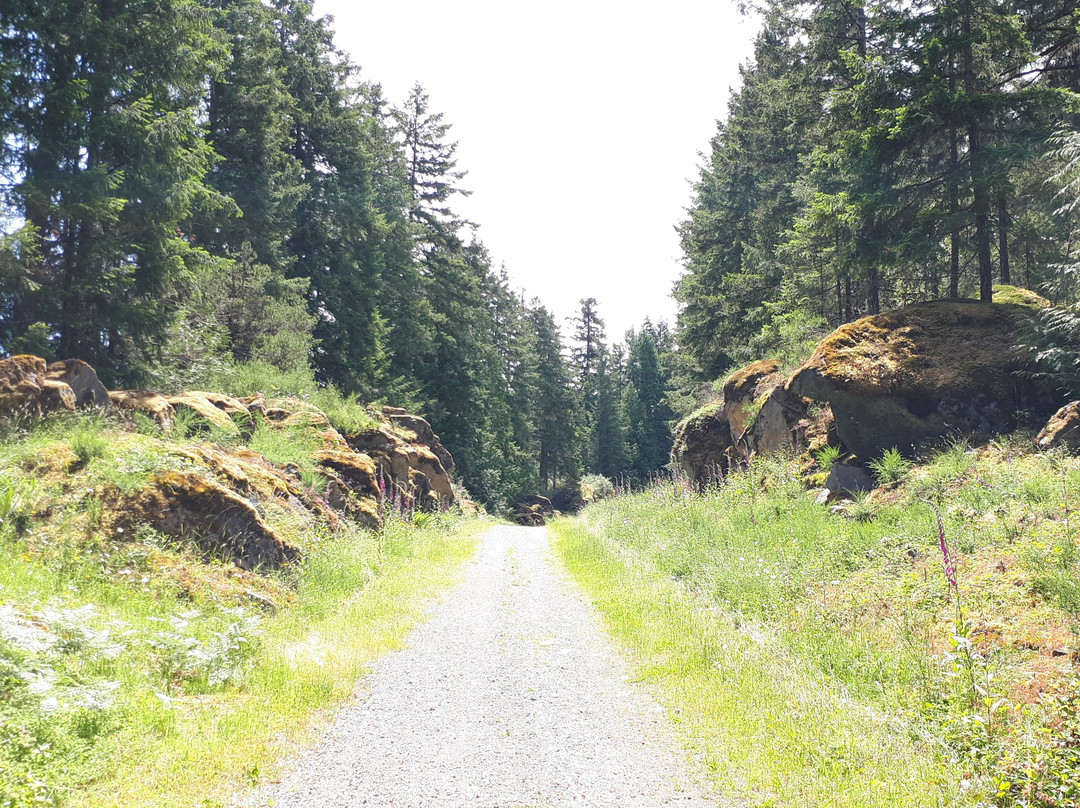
<point>139,697</point>
<point>768,728</point>
<point>135,671</point>
<point>823,655</point>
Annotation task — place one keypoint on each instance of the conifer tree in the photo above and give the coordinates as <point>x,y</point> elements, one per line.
<point>105,138</point>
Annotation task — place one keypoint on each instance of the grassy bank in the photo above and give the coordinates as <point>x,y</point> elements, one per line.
<point>823,655</point>
<point>135,671</point>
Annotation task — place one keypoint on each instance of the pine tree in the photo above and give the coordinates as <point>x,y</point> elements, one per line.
<point>338,231</point>
<point>106,139</point>
<point>556,438</point>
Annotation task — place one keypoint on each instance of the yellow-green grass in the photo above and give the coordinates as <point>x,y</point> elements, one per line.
<point>850,611</point>
<point>199,749</point>
<point>768,728</point>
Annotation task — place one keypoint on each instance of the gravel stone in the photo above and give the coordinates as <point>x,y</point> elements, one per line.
<point>511,695</point>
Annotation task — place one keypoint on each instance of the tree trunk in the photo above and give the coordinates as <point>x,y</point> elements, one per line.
<point>873,291</point>
<point>1003,236</point>
<point>954,218</point>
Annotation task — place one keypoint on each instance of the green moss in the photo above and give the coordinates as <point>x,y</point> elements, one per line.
<point>1018,296</point>
<point>943,344</point>
<point>700,415</point>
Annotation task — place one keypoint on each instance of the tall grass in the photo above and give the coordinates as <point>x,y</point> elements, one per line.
<point>815,654</point>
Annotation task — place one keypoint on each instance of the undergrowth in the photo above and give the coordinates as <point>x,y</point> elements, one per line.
<point>858,654</point>
<point>114,641</point>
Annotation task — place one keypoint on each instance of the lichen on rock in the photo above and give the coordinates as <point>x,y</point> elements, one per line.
<point>192,507</point>
<point>27,391</point>
<point>913,375</point>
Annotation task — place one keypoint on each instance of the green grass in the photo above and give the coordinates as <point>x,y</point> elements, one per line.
<point>770,727</point>
<point>208,691</point>
<point>817,657</point>
<point>351,608</point>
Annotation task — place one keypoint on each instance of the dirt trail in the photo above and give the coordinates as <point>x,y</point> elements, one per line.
<point>510,695</point>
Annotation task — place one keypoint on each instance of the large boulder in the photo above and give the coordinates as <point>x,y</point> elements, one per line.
<point>27,391</point>
<point>704,450</point>
<point>919,373</point>
<point>83,381</point>
<point>1062,430</point>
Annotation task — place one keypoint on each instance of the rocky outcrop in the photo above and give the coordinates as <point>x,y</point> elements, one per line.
<point>83,381</point>
<point>780,425</point>
<point>757,414</point>
<point>845,478</point>
<point>353,486</point>
<point>216,499</point>
<point>919,373</point>
<point>425,435</point>
<point>148,403</point>
<point>213,410</point>
<point>1062,430</point>
<point>26,391</point>
<point>704,450</point>
<point>743,391</point>
<point>221,524</point>
<point>409,467</point>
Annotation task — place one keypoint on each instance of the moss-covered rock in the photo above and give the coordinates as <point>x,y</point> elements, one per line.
<point>1018,296</point>
<point>703,448</point>
<point>83,381</point>
<point>744,391</point>
<point>405,460</point>
<point>192,507</point>
<point>919,373</point>
<point>205,412</point>
<point>27,391</point>
<point>1062,430</point>
<point>780,424</point>
<point>148,403</point>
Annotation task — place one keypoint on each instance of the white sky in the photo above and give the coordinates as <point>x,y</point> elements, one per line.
<point>580,124</point>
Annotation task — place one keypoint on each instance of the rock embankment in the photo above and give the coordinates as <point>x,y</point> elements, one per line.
<point>217,495</point>
<point>904,379</point>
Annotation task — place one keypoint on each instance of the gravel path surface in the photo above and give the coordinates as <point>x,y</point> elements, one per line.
<point>510,695</point>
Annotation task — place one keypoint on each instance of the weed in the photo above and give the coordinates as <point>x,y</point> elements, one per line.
<point>18,499</point>
<point>88,443</point>
<point>891,467</point>
<point>826,456</point>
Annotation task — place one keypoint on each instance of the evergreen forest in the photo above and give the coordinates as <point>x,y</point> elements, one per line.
<point>253,203</point>
<point>877,154</point>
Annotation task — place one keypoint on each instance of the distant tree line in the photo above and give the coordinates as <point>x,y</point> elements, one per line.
<point>195,184</point>
<point>876,154</point>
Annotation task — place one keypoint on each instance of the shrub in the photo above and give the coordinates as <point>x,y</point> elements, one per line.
<point>595,487</point>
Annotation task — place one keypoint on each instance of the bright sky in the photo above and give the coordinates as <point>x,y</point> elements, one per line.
<point>580,123</point>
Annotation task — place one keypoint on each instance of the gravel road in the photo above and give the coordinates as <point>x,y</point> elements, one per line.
<point>511,695</point>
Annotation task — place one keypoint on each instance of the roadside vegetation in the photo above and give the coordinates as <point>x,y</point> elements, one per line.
<point>135,670</point>
<point>915,646</point>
